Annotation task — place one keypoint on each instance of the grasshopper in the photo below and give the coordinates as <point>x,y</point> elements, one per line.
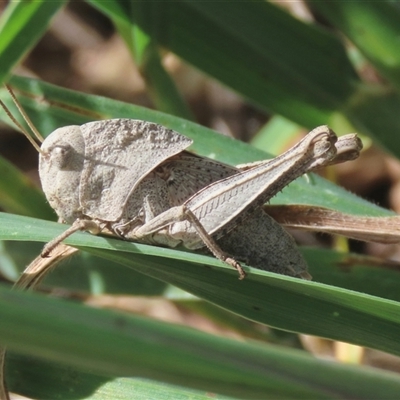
<point>136,180</point>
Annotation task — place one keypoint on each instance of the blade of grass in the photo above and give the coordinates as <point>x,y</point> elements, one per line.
<point>283,302</point>
<point>113,343</point>
<point>373,27</point>
<point>259,59</point>
<point>19,195</point>
<point>40,379</point>
<point>22,24</point>
<point>276,135</point>
<point>145,51</point>
<point>87,273</point>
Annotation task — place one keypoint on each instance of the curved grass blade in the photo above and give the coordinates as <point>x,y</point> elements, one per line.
<point>283,302</point>
<point>379,42</point>
<point>41,379</point>
<point>112,344</point>
<point>22,24</point>
<point>258,60</point>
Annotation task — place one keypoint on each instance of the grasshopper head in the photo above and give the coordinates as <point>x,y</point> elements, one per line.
<point>60,168</point>
<point>61,157</point>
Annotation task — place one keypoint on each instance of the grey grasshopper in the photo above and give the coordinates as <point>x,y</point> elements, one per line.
<point>136,180</point>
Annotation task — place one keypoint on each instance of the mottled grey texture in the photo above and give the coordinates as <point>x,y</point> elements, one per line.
<point>118,154</point>
<point>132,177</point>
<point>257,240</point>
<point>91,170</point>
<point>60,169</point>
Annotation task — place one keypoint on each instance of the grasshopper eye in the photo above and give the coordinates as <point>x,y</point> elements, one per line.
<point>60,155</point>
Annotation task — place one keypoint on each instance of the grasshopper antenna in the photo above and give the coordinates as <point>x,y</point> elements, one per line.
<point>26,118</point>
<point>25,115</point>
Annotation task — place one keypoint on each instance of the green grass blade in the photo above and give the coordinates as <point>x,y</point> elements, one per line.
<point>259,59</point>
<point>374,28</point>
<point>113,344</point>
<point>355,272</point>
<point>160,86</point>
<point>19,195</point>
<point>22,24</point>
<point>283,302</point>
<point>45,380</point>
<point>379,43</point>
<point>144,49</point>
<point>84,273</point>
<point>87,273</point>
<point>276,136</point>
